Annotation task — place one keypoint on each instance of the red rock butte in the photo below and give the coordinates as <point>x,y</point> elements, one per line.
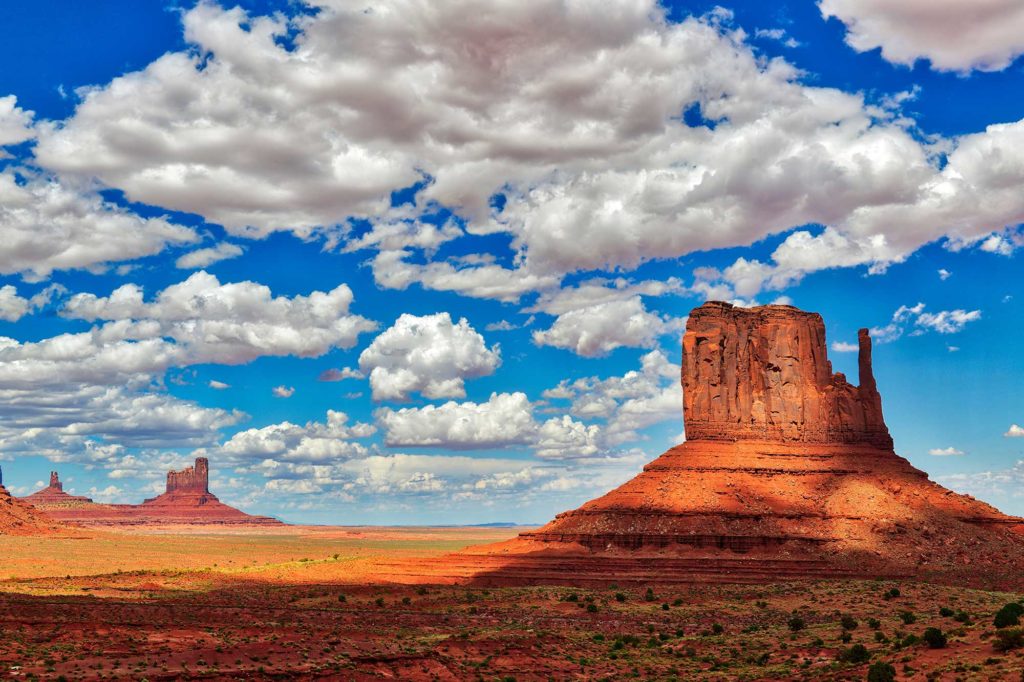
<point>54,496</point>
<point>788,471</point>
<point>187,501</point>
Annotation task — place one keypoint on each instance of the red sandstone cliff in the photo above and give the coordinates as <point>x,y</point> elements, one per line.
<point>764,374</point>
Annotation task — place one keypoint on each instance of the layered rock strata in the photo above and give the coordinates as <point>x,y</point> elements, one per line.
<point>788,471</point>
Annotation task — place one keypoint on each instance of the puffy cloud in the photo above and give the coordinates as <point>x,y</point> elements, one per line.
<point>392,270</point>
<point>283,391</point>
<point>573,118</point>
<point>64,421</point>
<point>46,225</point>
<point>224,323</point>
<point>947,321</point>
<point>598,329</point>
<point>629,403</point>
<point>943,322</point>
<point>844,347</point>
<point>202,258</point>
<point>1015,431</point>
<point>399,235</point>
<point>945,452</point>
<point>314,442</point>
<point>598,290</point>
<point>505,419</point>
<point>218,385</point>
<point>955,36</point>
<point>334,374</point>
<point>12,306</point>
<point>565,438</point>
<point>15,122</point>
<point>426,354</point>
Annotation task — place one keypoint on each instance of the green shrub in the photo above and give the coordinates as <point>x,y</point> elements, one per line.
<point>934,638</point>
<point>796,623</point>
<point>1009,638</point>
<point>848,622</point>
<point>620,597</point>
<point>946,612</point>
<point>717,629</point>
<point>880,671</point>
<point>874,623</point>
<point>845,637</point>
<point>858,653</point>
<point>891,594</point>
<point>907,617</point>
<point>649,595</point>
<point>1009,615</point>
<point>592,608</point>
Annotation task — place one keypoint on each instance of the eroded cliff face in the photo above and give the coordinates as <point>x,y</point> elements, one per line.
<point>193,479</point>
<point>763,374</point>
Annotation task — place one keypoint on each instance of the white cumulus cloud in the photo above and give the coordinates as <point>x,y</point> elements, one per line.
<point>427,354</point>
<point>986,35</point>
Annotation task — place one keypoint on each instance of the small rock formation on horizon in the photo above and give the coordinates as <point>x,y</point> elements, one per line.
<point>788,471</point>
<point>53,495</point>
<point>187,501</point>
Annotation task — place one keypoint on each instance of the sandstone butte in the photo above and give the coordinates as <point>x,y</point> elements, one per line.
<point>187,501</point>
<point>19,518</point>
<point>788,471</point>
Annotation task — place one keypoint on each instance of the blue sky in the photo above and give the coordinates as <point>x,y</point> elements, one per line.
<point>205,208</point>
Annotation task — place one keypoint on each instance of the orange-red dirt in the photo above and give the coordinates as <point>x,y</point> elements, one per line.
<point>788,472</point>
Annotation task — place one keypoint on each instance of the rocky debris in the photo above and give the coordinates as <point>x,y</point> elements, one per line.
<point>788,471</point>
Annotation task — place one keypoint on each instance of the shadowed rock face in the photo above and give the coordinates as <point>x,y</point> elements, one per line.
<point>764,374</point>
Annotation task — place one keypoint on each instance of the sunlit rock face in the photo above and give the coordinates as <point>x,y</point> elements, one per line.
<point>763,374</point>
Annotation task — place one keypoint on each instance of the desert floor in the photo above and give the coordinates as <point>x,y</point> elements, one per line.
<point>308,603</point>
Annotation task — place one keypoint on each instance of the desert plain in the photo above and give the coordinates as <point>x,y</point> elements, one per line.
<point>339,603</point>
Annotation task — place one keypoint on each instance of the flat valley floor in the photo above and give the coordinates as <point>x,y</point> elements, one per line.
<point>310,603</point>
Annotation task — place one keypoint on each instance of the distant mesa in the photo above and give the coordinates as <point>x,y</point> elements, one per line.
<point>788,471</point>
<point>187,501</point>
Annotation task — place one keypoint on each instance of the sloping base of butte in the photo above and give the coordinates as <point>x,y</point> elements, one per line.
<point>789,472</point>
<point>18,518</point>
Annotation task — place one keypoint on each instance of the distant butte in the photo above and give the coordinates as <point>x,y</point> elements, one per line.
<point>53,495</point>
<point>187,501</point>
<point>788,471</point>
